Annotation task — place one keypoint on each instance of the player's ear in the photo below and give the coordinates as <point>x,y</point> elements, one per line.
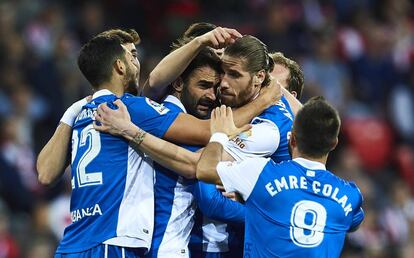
<point>292,139</point>
<point>178,85</point>
<point>259,77</point>
<point>119,66</point>
<point>294,93</point>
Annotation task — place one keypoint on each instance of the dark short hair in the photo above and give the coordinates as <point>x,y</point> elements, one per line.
<point>255,54</point>
<point>206,57</point>
<point>316,128</point>
<point>194,30</point>
<point>296,79</point>
<point>98,55</point>
<point>198,29</point>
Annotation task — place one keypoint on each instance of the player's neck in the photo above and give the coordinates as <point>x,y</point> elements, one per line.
<point>297,154</point>
<point>113,87</point>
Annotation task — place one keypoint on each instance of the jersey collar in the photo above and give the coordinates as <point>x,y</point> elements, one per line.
<point>176,101</point>
<point>101,93</point>
<point>313,165</point>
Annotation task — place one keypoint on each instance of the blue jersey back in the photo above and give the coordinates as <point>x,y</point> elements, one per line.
<point>112,185</point>
<point>308,212</point>
<point>282,116</point>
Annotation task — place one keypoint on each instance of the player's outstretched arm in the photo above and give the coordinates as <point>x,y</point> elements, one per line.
<point>174,64</point>
<point>118,122</point>
<point>222,127</point>
<point>54,158</point>
<point>187,129</point>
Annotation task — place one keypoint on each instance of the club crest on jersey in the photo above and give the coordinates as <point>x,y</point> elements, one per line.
<point>160,108</point>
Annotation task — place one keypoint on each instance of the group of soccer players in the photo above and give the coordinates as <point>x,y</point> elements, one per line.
<point>137,195</point>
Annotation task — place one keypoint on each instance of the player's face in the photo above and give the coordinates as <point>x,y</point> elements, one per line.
<point>132,68</point>
<point>281,73</point>
<point>198,94</point>
<point>236,87</point>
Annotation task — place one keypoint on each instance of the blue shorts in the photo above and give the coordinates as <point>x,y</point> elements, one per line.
<point>106,251</point>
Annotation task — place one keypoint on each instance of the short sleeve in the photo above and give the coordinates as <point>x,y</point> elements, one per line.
<point>241,176</point>
<point>357,219</point>
<point>151,116</point>
<point>359,214</point>
<point>261,140</point>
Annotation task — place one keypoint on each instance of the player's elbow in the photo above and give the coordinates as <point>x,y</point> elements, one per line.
<point>43,178</point>
<point>43,173</point>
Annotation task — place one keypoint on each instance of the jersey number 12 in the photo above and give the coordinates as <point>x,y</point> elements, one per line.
<point>90,137</point>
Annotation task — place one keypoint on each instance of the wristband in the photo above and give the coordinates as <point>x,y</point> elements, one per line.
<point>220,138</point>
<point>73,111</point>
<point>139,137</point>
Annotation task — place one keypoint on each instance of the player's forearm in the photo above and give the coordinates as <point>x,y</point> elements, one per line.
<point>170,68</point>
<point>53,158</point>
<point>206,167</point>
<point>189,130</point>
<point>169,155</point>
<point>294,103</point>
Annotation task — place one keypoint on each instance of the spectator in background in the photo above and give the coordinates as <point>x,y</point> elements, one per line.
<point>324,74</point>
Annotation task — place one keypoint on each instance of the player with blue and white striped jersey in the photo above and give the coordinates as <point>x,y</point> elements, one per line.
<point>309,209</point>
<point>88,236</point>
<point>193,91</point>
<point>279,114</point>
<point>112,198</point>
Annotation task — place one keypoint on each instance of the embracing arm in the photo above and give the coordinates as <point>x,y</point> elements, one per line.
<point>53,158</point>
<point>294,103</point>
<point>169,68</point>
<point>118,122</point>
<point>169,155</point>
<point>174,64</point>
<point>187,129</point>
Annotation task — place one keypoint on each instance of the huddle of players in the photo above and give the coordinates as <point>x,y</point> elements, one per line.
<point>113,211</point>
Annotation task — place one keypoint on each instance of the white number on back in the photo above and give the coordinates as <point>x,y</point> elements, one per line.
<point>92,139</point>
<point>303,234</point>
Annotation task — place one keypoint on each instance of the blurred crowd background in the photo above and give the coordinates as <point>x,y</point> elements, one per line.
<point>359,54</point>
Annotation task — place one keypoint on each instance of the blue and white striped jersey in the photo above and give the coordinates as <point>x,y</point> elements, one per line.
<point>174,205</point>
<point>112,185</point>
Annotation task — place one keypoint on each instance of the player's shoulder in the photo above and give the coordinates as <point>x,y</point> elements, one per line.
<point>143,104</point>
<point>348,186</point>
<point>276,114</point>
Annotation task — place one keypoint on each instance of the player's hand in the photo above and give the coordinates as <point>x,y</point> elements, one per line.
<point>113,121</point>
<point>219,37</point>
<point>222,121</point>
<point>271,93</point>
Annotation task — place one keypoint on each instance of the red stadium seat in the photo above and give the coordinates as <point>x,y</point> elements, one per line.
<point>372,139</point>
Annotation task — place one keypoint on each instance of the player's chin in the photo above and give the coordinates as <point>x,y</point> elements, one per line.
<point>226,99</point>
